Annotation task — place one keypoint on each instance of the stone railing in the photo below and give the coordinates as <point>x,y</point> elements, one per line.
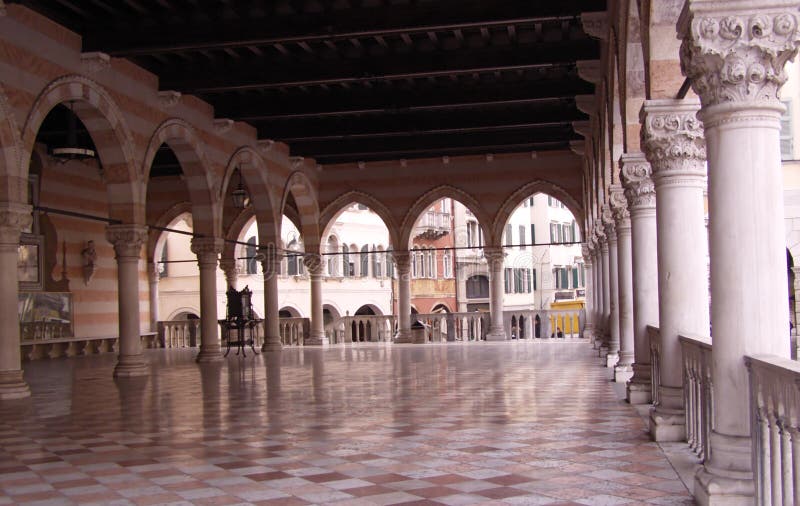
<point>179,333</point>
<point>361,328</point>
<point>654,337</point>
<point>35,349</point>
<point>543,323</point>
<point>775,426</point>
<point>293,331</point>
<point>697,392</point>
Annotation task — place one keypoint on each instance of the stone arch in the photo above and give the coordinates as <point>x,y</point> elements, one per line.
<point>156,237</point>
<point>333,309</point>
<point>182,138</point>
<point>13,185</point>
<point>440,192</point>
<point>442,304</point>
<point>255,173</point>
<point>106,124</point>
<point>291,309</point>
<point>332,210</point>
<point>181,310</point>
<point>376,310</point>
<point>299,186</point>
<point>516,198</point>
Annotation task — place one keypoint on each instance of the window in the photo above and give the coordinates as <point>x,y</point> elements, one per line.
<point>518,280</point>
<point>528,281</point>
<point>251,264</point>
<point>530,201</point>
<point>575,283</point>
<point>553,233</point>
<point>294,259</point>
<point>787,139</point>
<point>507,279</point>
<point>377,270</point>
<point>364,267</point>
<point>534,280</point>
<point>533,233</point>
<point>389,265</point>
<point>478,287</point>
<point>564,278</point>
<point>447,265</point>
<point>414,263</point>
<point>470,234</point>
<point>346,261</point>
<point>362,207</point>
<point>509,236</point>
<point>550,201</point>
<point>522,237</point>
<point>163,270</point>
<point>432,271</point>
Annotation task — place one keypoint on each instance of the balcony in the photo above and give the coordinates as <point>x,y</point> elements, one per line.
<point>433,225</point>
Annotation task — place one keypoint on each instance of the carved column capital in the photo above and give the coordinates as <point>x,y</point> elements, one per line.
<point>313,263</point>
<point>14,218</point>
<point>587,252</point>
<point>674,141</point>
<point>230,267</point>
<point>494,256</point>
<point>609,225</point>
<point>736,51</point>
<point>207,249</point>
<point>619,208</point>
<point>127,239</point>
<point>635,173</point>
<point>270,260</point>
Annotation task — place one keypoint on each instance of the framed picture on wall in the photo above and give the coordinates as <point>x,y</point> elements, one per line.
<point>30,268</point>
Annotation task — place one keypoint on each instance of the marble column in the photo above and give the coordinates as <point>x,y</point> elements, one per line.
<point>606,294</point>
<point>13,219</point>
<point>597,263</point>
<point>674,145</point>
<point>622,218</point>
<point>127,241</point>
<point>734,54</point>
<point>313,263</point>
<point>588,329</point>
<point>612,357</point>
<point>641,194</point>
<point>152,277</point>
<point>496,260</point>
<point>230,268</point>
<point>207,250</point>
<point>403,261</point>
<point>271,266</point>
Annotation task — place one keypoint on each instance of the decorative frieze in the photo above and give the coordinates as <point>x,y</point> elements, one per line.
<point>736,51</point>
<point>673,139</point>
<point>127,239</point>
<point>635,175</point>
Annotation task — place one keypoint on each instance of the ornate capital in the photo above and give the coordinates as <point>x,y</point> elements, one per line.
<point>127,239</point>
<point>207,249</point>
<point>587,251</point>
<point>619,207</point>
<point>609,225</point>
<point>270,259</point>
<point>494,256</point>
<point>403,260</point>
<point>229,265</point>
<point>313,263</point>
<point>673,139</point>
<point>736,51</point>
<point>634,173</point>
<point>14,218</point>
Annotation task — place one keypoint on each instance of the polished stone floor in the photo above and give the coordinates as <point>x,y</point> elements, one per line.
<point>489,423</point>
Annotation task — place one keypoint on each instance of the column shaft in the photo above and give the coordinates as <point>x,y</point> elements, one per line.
<point>403,261</point>
<point>495,258</point>
<point>675,147</point>
<point>641,195</point>
<point>613,277</point>
<point>152,274</point>
<point>127,241</point>
<point>606,295</point>
<point>207,251</point>
<point>624,369</point>
<point>13,219</point>
<point>588,330</point>
<point>314,266</point>
<point>272,331</point>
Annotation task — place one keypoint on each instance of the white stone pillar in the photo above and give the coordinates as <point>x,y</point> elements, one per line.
<point>270,264</point>
<point>641,195</point>
<point>13,219</point>
<point>597,263</point>
<point>403,261</point>
<point>734,54</point>
<point>313,263</point>
<point>495,258</point>
<point>619,207</point>
<point>674,145</point>
<point>588,329</point>
<point>152,276</point>
<point>612,357</point>
<point>230,268</point>
<point>207,250</point>
<point>127,241</point>
<point>606,294</point>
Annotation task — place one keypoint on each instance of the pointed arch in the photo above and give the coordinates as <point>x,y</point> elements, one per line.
<point>340,203</point>
<point>438,193</point>
<point>182,138</point>
<point>13,183</point>
<point>516,198</point>
<point>106,124</point>
<point>299,186</point>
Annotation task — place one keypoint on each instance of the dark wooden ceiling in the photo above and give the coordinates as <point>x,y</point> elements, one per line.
<point>352,80</point>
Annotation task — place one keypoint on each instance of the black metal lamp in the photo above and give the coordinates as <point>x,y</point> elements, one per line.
<point>71,150</point>
<point>239,195</point>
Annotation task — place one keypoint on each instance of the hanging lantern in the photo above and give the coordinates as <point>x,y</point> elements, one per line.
<point>71,150</point>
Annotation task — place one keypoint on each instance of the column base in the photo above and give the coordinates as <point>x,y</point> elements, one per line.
<point>403,337</point>
<point>496,335</point>
<point>623,373</point>
<point>667,425</point>
<point>131,366</point>
<point>638,390</point>
<point>13,386</point>
<point>208,355</point>
<point>317,341</point>
<point>727,477</point>
<point>588,333</point>
<point>711,489</point>
<point>612,358</point>
<point>271,344</point>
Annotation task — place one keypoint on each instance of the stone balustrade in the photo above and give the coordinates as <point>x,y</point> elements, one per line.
<point>293,331</point>
<point>697,392</point>
<point>178,333</point>
<point>775,428</point>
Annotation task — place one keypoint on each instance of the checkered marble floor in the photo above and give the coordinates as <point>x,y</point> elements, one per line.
<point>490,423</point>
